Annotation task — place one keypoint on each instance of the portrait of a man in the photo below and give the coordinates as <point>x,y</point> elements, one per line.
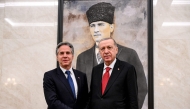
<point>85,23</point>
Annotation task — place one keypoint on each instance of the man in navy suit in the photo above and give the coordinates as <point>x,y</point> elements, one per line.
<point>65,87</point>
<point>114,82</point>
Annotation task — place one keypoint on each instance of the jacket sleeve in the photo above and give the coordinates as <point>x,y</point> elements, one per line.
<point>131,81</point>
<point>50,93</point>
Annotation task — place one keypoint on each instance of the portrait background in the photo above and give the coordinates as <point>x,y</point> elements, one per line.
<point>131,27</point>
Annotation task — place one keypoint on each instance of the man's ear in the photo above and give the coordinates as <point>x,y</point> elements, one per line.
<point>111,27</point>
<point>56,58</point>
<point>116,50</point>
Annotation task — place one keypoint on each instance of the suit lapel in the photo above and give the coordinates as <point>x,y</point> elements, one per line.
<point>115,73</point>
<point>77,76</point>
<point>63,79</point>
<point>99,73</point>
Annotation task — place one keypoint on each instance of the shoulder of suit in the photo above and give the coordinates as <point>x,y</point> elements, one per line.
<point>79,72</point>
<point>52,71</point>
<point>99,65</point>
<point>124,63</point>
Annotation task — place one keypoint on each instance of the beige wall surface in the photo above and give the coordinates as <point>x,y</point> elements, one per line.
<point>171,54</point>
<point>28,36</point>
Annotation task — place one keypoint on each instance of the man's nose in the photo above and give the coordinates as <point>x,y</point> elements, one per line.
<point>106,50</point>
<point>96,29</point>
<point>64,55</point>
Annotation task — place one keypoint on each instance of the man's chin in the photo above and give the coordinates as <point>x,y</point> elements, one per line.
<point>65,64</point>
<point>107,60</point>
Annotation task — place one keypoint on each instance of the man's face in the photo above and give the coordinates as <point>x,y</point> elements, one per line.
<point>100,30</point>
<point>65,56</point>
<point>108,51</point>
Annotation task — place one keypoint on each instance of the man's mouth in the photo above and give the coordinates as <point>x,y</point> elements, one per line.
<point>65,60</point>
<point>106,56</point>
<point>97,34</point>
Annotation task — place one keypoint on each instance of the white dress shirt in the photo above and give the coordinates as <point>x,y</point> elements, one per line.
<point>110,66</point>
<point>73,78</point>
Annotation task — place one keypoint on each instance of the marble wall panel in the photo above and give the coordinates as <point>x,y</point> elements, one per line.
<point>1,46</point>
<point>23,22</point>
<point>171,56</point>
<point>28,51</point>
<point>22,72</point>
<point>172,74</point>
<point>1,21</point>
<point>168,13</point>
<point>1,33</point>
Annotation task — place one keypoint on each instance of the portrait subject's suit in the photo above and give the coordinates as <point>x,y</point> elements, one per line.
<point>121,90</point>
<point>58,93</point>
<point>87,60</point>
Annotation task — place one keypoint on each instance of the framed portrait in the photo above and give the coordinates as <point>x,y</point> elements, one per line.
<point>133,29</point>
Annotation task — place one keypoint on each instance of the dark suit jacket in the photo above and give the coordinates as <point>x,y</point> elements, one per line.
<point>58,92</point>
<point>86,61</point>
<point>121,90</point>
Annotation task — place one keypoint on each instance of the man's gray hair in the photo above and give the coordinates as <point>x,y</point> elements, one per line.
<point>108,39</point>
<point>65,43</point>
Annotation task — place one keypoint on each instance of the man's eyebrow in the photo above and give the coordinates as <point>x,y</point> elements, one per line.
<point>100,23</point>
<point>92,24</point>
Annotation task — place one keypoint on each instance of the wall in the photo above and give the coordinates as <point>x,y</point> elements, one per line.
<point>27,49</point>
<point>171,54</point>
<point>28,36</point>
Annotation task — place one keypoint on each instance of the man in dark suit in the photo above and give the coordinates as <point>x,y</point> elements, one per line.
<point>100,17</point>
<point>114,82</point>
<point>65,87</point>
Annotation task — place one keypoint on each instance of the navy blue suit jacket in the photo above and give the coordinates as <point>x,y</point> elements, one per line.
<point>58,93</point>
<point>86,61</point>
<point>121,91</point>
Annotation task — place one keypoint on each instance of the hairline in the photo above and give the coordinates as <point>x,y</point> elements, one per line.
<point>67,44</point>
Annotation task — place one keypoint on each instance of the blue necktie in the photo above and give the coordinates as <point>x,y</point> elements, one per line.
<point>71,82</point>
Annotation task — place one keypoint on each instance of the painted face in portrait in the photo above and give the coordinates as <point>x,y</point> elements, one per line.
<point>65,57</point>
<point>108,51</point>
<point>100,30</point>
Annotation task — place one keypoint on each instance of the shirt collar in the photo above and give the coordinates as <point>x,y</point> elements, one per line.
<point>111,65</point>
<point>64,70</point>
